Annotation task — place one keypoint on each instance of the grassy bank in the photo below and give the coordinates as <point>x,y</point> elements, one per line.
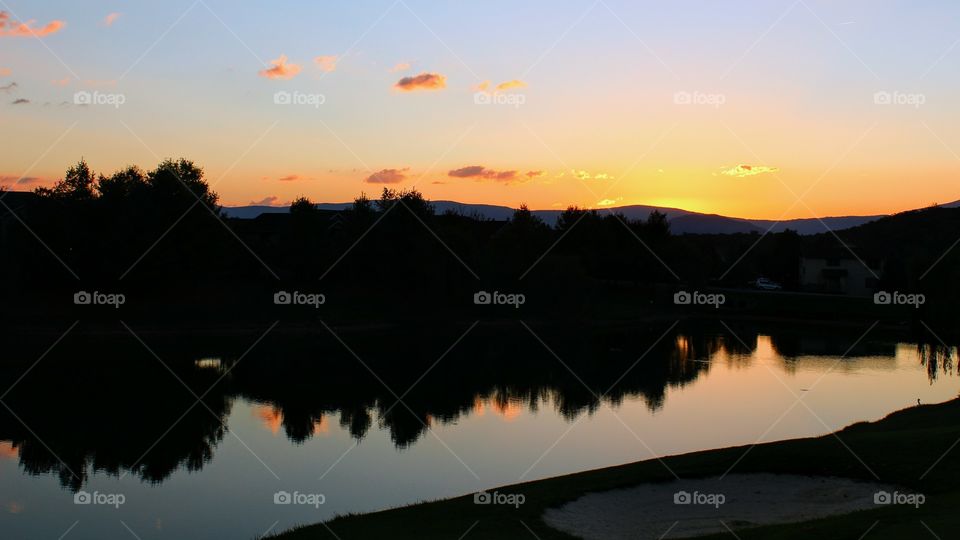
<point>912,448</point>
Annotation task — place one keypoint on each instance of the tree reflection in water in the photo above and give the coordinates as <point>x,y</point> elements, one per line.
<point>109,406</point>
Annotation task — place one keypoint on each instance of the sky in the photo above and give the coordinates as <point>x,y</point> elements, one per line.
<point>778,109</point>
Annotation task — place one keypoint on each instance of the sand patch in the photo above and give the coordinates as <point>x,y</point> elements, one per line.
<point>695,507</point>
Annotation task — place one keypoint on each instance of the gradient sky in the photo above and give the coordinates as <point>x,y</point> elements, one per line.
<point>784,99</point>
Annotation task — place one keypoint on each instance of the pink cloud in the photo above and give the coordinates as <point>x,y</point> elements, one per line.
<point>10,180</point>
<point>326,63</point>
<point>478,172</point>
<point>281,69</point>
<point>423,81</point>
<point>402,66</point>
<point>12,28</point>
<point>267,201</point>
<point>5,72</point>
<point>62,82</point>
<point>110,19</point>
<point>387,176</point>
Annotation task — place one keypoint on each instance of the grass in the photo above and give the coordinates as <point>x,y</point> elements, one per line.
<point>913,448</point>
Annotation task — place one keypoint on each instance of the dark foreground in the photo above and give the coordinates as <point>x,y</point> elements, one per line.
<point>913,448</point>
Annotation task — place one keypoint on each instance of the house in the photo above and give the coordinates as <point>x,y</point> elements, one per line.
<point>839,271</point>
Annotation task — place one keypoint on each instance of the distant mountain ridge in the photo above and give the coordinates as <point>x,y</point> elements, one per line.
<point>681,221</point>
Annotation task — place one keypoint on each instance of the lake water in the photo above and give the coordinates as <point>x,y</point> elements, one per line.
<point>113,420</point>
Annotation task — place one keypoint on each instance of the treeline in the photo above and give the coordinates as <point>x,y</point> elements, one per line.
<point>161,234</point>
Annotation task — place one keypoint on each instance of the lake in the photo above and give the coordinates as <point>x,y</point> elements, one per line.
<point>104,436</point>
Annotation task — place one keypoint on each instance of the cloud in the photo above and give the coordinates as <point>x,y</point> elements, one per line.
<point>267,201</point>
<point>387,176</point>
<point>511,84</point>
<point>608,202</point>
<point>7,88</point>
<point>402,66</point>
<point>62,82</point>
<point>11,180</point>
<point>12,28</point>
<point>535,174</point>
<point>478,172</point>
<point>423,81</point>
<point>482,87</point>
<point>290,178</point>
<point>743,171</point>
<point>110,19</point>
<point>586,175</point>
<point>326,63</point>
<point>281,69</point>
<point>21,101</point>
<point>5,72</point>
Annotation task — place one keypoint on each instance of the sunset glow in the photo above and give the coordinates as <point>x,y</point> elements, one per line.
<point>804,111</point>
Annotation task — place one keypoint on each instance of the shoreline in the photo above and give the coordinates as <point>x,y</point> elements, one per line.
<point>901,449</point>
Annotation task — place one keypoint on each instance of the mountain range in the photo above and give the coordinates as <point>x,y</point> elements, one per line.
<point>681,221</point>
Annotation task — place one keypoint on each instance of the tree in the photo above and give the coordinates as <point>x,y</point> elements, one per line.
<point>302,206</point>
<point>77,185</point>
<point>122,185</point>
<point>657,224</point>
<point>180,184</point>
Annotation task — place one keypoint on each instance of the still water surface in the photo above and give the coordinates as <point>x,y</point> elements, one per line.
<point>477,421</point>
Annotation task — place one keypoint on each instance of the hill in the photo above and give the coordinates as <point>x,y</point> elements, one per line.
<point>681,221</point>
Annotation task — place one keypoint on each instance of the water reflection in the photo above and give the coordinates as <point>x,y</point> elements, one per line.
<point>109,406</point>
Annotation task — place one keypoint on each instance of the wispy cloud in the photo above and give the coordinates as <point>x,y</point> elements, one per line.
<point>110,19</point>
<point>402,66</point>
<point>326,63</point>
<point>387,176</point>
<point>479,172</point>
<point>587,175</point>
<point>62,82</point>
<point>21,101</point>
<point>743,171</point>
<point>273,200</point>
<point>5,72</point>
<point>511,84</point>
<point>423,81</point>
<point>10,180</point>
<point>281,69</point>
<point>12,28</point>
<point>608,202</point>
<point>7,88</point>
<point>290,178</point>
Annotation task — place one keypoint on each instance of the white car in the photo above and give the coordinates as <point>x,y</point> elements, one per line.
<point>765,284</point>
